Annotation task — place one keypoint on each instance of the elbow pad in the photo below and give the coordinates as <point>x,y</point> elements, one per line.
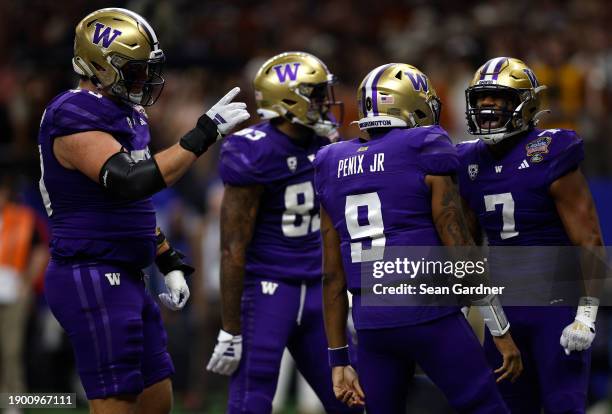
<point>131,180</point>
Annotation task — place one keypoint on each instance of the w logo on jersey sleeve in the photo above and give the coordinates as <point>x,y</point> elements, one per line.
<point>286,71</point>
<point>113,278</point>
<point>103,35</point>
<point>268,288</point>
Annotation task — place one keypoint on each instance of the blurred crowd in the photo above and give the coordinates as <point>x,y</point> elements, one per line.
<point>213,45</point>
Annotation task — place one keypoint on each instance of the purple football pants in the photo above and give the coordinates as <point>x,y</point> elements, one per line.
<point>448,352</point>
<point>276,315</point>
<point>113,324</point>
<point>551,380</point>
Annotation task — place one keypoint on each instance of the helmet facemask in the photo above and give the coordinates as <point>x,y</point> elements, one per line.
<point>140,81</point>
<point>321,100</point>
<point>435,104</point>
<point>492,120</point>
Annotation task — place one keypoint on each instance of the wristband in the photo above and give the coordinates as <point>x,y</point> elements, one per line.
<point>171,260</point>
<point>201,137</point>
<point>227,337</point>
<point>587,311</point>
<point>493,314</point>
<point>338,357</point>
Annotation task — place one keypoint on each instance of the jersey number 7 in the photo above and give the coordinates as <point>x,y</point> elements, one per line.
<point>507,202</point>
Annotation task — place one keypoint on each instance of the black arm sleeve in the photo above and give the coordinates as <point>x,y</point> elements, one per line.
<point>131,180</point>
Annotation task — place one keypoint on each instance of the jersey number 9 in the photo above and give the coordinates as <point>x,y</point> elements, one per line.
<point>374,229</point>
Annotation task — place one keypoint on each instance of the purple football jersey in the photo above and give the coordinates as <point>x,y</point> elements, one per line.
<point>87,222</point>
<point>510,195</point>
<point>510,198</point>
<point>376,196</point>
<point>286,243</point>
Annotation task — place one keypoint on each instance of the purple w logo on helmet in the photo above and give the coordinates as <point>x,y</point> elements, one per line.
<point>419,81</point>
<point>104,36</point>
<point>284,71</point>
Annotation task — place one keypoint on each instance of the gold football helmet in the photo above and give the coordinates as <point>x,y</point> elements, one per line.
<point>298,87</point>
<point>397,95</point>
<point>512,80</point>
<point>119,52</point>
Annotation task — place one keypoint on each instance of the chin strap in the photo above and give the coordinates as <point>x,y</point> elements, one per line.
<point>321,128</point>
<point>267,113</point>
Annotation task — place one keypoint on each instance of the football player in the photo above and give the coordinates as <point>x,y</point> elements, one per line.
<point>402,196</point>
<point>97,178</point>
<point>271,251</point>
<point>523,187</point>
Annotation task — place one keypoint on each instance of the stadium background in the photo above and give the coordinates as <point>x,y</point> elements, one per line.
<point>214,45</point>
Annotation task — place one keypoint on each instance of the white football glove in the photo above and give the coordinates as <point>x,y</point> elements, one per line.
<point>227,114</point>
<point>226,356</point>
<point>579,335</point>
<point>177,290</point>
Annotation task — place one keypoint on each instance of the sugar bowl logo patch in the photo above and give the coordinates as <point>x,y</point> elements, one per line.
<point>537,148</point>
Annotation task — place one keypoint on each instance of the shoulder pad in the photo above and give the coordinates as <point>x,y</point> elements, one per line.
<point>80,111</point>
<point>241,158</point>
<point>438,155</point>
<point>562,150</point>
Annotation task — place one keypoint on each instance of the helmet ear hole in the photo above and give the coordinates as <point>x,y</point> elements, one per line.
<point>420,114</point>
<point>289,102</point>
<point>98,66</point>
